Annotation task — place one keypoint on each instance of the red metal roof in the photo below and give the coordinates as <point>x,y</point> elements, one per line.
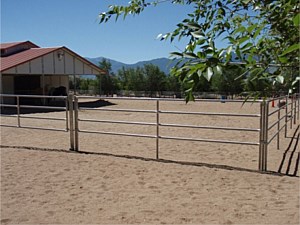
<point>13,44</point>
<point>33,52</point>
<point>24,56</point>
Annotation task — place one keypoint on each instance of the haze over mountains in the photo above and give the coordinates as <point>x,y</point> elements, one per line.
<point>164,64</point>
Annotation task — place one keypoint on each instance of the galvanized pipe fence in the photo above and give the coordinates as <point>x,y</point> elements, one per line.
<point>287,115</point>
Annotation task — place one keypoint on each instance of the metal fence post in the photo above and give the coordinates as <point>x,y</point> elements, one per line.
<point>291,120</point>
<point>263,145</point>
<point>295,108</point>
<point>18,111</point>
<point>71,119</point>
<point>261,135</point>
<point>278,127</point>
<point>157,129</point>
<point>286,116</point>
<point>298,100</point>
<point>76,108</point>
<point>266,136</point>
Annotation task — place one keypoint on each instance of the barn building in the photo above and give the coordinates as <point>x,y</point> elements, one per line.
<point>27,69</point>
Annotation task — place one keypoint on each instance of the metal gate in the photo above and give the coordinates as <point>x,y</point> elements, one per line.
<point>287,112</point>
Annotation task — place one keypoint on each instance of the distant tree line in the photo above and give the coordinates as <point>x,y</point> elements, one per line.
<point>151,80</point>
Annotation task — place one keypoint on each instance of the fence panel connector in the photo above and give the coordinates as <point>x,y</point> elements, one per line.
<point>71,120</point>
<point>263,144</point>
<point>157,129</point>
<point>76,129</point>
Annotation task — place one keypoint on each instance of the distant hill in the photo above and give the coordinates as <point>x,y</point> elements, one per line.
<point>164,64</point>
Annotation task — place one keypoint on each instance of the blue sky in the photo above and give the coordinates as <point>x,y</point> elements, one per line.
<point>74,24</point>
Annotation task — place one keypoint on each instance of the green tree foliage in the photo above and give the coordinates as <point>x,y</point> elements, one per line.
<point>227,82</point>
<point>260,33</point>
<point>107,82</point>
<point>149,78</point>
<point>155,79</point>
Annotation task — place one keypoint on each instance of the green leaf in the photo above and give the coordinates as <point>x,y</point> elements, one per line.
<point>199,72</point>
<point>296,80</point>
<point>280,79</point>
<point>239,30</point>
<point>243,39</point>
<point>209,73</point>
<point>251,28</point>
<point>198,34</point>
<point>291,49</point>
<point>176,54</point>
<point>189,96</point>
<point>296,20</point>
<point>194,25</point>
<point>257,32</point>
<point>190,55</point>
<point>219,69</point>
<point>283,59</point>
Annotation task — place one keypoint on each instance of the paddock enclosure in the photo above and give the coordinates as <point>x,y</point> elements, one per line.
<point>227,133</point>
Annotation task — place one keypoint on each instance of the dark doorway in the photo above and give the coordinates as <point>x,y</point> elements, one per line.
<point>28,85</point>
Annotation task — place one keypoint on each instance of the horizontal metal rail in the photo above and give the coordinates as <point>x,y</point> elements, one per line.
<point>169,137</point>
<point>5,115</point>
<point>209,127</point>
<point>209,140</point>
<point>119,110</point>
<point>210,114</point>
<point>33,107</point>
<point>118,122</point>
<point>273,112</point>
<point>42,128</point>
<point>278,98</point>
<point>33,96</point>
<point>167,99</point>
<point>276,122</point>
<point>4,125</point>
<point>43,118</point>
<point>36,128</point>
<point>117,133</point>
<point>9,106</point>
<point>42,107</point>
<point>271,139</point>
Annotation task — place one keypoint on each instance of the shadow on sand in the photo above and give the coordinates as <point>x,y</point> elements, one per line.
<point>52,107</point>
<point>166,161</point>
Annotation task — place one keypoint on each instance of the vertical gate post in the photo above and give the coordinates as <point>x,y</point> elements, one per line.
<point>298,100</point>
<point>157,129</point>
<point>266,135</point>
<point>76,122</point>
<point>18,111</point>
<point>71,119</point>
<point>278,127</point>
<point>291,120</point>
<point>295,108</point>
<point>263,144</point>
<point>286,116</point>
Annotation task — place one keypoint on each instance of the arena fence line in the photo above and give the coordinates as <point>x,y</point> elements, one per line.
<point>287,112</point>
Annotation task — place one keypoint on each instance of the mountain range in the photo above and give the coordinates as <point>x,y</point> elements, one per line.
<point>164,64</point>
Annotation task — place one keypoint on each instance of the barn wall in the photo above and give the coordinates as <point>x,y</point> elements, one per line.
<point>52,64</point>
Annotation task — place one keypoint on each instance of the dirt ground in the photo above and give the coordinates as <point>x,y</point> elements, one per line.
<point>117,179</point>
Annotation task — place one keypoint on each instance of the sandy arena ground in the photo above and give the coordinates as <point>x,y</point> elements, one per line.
<point>117,180</point>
